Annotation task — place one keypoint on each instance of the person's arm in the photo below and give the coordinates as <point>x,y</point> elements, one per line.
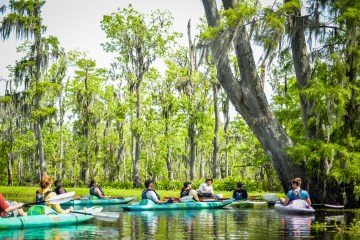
<point>211,190</point>
<point>61,191</point>
<point>308,201</point>
<point>286,201</point>
<point>194,194</point>
<point>56,207</point>
<point>200,189</point>
<point>13,208</point>
<point>245,194</point>
<point>100,193</point>
<point>152,196</point>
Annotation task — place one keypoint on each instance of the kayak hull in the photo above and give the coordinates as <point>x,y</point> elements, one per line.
<point>295,207</point>
<point>98,201</point>
<point>248,204</point>
<point>148,205</point>
<point>43,221</point>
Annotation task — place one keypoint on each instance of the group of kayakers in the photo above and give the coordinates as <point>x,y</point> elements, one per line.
<point>205,190</point>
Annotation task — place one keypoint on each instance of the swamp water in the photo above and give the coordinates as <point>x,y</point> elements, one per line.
<point>227,223</point>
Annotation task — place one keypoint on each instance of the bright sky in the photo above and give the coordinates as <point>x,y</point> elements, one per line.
<point>76,23</point>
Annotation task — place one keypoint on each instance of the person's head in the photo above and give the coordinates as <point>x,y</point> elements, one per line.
<point>58,183</point>
<point>149,184</point>
<point>240,185</point>
<point>187,185</point>
<point>45,182</point>
<point>209,181</point>
<point>296,182</point>
<point>93,183</point>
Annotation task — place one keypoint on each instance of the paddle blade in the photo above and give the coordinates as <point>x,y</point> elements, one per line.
<point>106,216</point>
<point>61,198</point>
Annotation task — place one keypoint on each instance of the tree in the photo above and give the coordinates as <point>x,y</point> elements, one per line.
<point>138,40</point>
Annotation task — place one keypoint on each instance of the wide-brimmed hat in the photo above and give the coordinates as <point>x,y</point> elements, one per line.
<point>209,179</point>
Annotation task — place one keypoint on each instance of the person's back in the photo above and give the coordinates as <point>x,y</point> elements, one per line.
<point>151,195</point>
<point>297,194</point>
<point>240,193</point>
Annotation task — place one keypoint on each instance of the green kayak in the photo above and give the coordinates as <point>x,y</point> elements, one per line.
<point>148,205</point>
<point>42,216</point>
<point>98,201</point>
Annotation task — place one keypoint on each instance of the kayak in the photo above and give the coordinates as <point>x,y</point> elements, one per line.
<point>99,201</point>
<point>42,216</point>
<point>298,206</point>
<point>148,205</point>
<point>248,203</point>
<point>327,206</point>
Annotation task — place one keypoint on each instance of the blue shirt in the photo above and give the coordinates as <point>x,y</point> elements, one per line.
<point>293,194</point>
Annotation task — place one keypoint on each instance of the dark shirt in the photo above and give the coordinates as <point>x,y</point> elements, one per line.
<point>240,194</point>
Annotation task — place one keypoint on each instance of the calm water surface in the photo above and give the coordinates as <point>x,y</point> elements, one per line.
<point>228,223</point>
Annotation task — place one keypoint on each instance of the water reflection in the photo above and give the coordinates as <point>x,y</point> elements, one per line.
<point>66,232</point>
<point>296,226</point>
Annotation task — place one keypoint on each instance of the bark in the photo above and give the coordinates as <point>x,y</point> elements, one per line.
<point>136,174</point>
<point>247,95</point>
<point>191,132</point>
<point>40,148</point>
<point>121,150</point>
<point>225,109</point>
<point>61,122</point>
<point>301,62</point>
<point>216,165</point>
<point>9,167</point>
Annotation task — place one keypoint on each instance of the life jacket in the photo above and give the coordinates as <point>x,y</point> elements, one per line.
<point>94,193</point>
<point>296,194</point>
<point>143,195</point>
<point>57,190</point>
<point>40,198</point>
<point>184,193</point>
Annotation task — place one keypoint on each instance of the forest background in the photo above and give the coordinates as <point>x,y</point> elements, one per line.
<point>62,115</point>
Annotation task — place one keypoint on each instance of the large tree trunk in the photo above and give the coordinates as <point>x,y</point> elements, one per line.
<point>247,95</point>
<point>216,165</point>
<point>9,167</point>
<point>225,110</point>
<point>192,161</point>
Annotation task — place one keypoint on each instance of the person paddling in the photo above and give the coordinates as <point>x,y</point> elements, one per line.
<point>46,193</point>
<point>95,190</point>
<point>205,189</point>
<point>151,194</point>
<point>296,193</point>
<point>187,191</point>
<point>240,193</point>
<point>10,208</point>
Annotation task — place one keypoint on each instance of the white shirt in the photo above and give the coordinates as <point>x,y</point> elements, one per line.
<point>204,188</point>
<point>152,196</point>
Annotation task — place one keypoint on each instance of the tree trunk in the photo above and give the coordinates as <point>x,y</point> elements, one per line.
<point>136,174</point>
<point>61,122</point>
<point>225,110</point>
<point>301,61</point>
<point>192,161</point>
<point>216,166</point>
<point>9,167</point>
<point>248,97</point>
<point>40,148</point>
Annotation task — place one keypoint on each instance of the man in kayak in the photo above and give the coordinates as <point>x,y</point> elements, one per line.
<point>240,193</point>
<point>151,194</point>
<point>205,189</point>
<point>296,193</point>
<point>46,193</point>
<point>10,208</point>
<point>187,191</point>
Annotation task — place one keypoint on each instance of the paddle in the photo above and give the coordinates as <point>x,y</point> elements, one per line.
<point>103,216</point>
<point>58,199</point>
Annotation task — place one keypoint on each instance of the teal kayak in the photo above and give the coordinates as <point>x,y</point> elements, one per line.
<point>148,205</point>
<point>99,201</point>
<point>42,216</point>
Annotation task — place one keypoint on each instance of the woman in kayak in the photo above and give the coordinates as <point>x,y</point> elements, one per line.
<point>205,189</point>
<point>187,191</point>
<point>296,193</point>
<point>95,190</point>
<point>10,208</point>
<point>45,193</point>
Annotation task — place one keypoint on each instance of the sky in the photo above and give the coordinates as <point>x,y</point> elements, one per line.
<point>76,23</point>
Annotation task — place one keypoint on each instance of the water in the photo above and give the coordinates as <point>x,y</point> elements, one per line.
<point>228,223</point>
